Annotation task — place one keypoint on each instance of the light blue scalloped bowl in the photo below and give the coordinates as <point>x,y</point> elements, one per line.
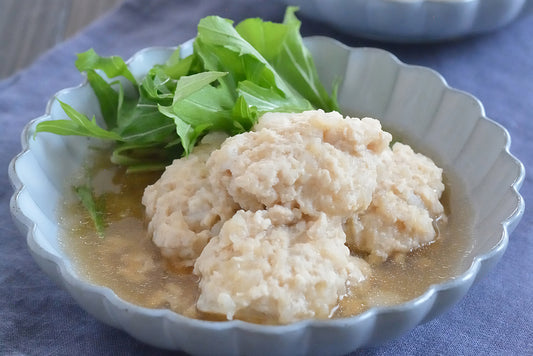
<point>414,102</point>
<point>412,20</point>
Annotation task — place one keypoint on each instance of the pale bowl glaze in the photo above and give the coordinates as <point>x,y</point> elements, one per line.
<point>412,20</point>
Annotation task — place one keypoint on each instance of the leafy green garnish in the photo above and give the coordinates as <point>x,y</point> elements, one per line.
<point>78,124</point>
<point>112,66</point>
<point>93,206</point>
<point>234,75</point>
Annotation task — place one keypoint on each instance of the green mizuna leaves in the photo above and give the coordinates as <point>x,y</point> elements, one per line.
<point>112,66</point>
<point>234,75</point>
<point>78,124</point>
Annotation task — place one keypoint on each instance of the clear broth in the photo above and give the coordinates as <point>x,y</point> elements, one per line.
<point>127,261</point>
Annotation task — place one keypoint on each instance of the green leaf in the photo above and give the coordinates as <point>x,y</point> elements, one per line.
<point>145,156</point>
<point>93,206</point>
<point>187,133</point>
<point>146,124</point>
<point>188,85</point>
<point>125,107</point>
<point>217,35</point>
<point>107,98</point>
<point>176,67</point>
<point>79,124</point>
<point>208,106</point>
<point>245,115</point>
<point>113,66</point>
<point>198,106</point>
<point>158,87</point>
<point>267,99</point>
<point>282,45</point>
<point>266,37</point>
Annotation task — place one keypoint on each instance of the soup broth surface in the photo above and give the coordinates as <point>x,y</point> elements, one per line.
<point>126,260</point>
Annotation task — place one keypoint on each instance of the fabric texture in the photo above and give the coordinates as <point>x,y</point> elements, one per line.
<point>494,318</point>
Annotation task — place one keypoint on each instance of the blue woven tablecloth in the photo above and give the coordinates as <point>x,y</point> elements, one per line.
<point>495,318</point>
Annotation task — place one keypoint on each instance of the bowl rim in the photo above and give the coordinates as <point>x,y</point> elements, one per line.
<point>71,278</point>
<point>444,20</point>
